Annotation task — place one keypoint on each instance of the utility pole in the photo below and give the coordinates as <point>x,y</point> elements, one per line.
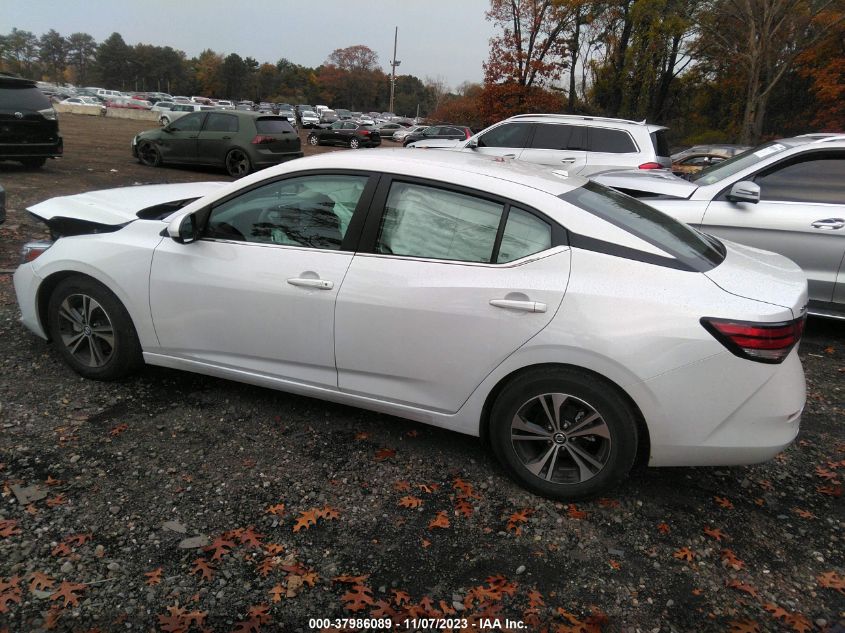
<point>393,66</point>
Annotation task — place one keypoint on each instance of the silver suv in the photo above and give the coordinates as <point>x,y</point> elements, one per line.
<point>786,196</point>
<point>577,144</point>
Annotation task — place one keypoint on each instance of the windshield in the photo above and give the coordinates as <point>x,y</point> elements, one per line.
<point>738,163</point>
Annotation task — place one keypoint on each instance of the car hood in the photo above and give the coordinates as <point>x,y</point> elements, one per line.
<point>762,276</point>
<point>119,206</point>
<point>659,182</point>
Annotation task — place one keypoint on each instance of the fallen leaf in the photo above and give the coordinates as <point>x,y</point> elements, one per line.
<point>250,538</point>
<point>426,543</point>
<point>9,527</point>
<point>351,580</point>
<point>10,591</point>
<point>358,597</point>
<point>203,569</point>
<point>743,626</point>
<point>440,521</point>
<point>740,586</point>
<point>401,486</point>
<point>464,507</point>
<point>715,533</point>
<point>516,520</point>
<point>277,510</point>
<point>831,491</point>
<point>56,500</point>
<point>153,577</point>
<point>277,592</point>
<point>724,502</point>
<point>615,564</point>
<point>685,554</point>
<point>67,592</point>
<point>328,513</point>
<point>729,559</point>
<point>664,528</point>
<point>400,597</point>
<point>39,581</point>
<point>306,519</point>
<point>804,514</point>
<point>410,501</point>
<point>832,580</point>
<point>221,546</point>
<point>575,513</point>
<point>385,453</point>
<point>120,428</point>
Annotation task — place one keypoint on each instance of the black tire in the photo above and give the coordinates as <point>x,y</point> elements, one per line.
<point>313,139</point>
<point>33,163</point>
<point>354,143</point>
<point>530,394</point>
<point>164,121</point>
<point>148,154</point>
<point>238,164</point>
<point>103,326</point>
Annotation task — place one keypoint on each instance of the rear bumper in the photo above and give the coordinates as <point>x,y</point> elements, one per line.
<point>733,411</point>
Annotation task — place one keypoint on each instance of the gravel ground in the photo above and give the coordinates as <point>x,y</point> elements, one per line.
<point>177,502</point>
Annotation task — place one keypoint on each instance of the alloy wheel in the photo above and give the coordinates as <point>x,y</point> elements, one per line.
<point>237,163</point>
<point>560,438</point>
<point>86,330</point>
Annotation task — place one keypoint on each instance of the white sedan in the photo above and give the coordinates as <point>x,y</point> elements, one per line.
<point>574,328</point>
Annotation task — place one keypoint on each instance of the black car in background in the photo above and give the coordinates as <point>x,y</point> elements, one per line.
<point>455,132</point>
<point>29,128</point>
<point>241,142</point>
<point>348,133</point>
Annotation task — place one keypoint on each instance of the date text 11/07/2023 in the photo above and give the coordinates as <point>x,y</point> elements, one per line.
<point>418,624</point>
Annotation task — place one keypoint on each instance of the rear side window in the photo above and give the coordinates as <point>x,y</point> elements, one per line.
<point>559,137</point>
<point>273,125</point>
<point>525,234</point>
<point>661,145</point>
<point>22,98</point>
<point>610,141</point>
<point>221,123</point>
<point>689,249</point>
<point>507,135</point>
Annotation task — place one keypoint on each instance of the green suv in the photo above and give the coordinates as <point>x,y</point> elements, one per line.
<point>240,142</point>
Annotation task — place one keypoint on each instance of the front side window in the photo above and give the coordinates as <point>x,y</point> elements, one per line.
<point>422,221</point>
<point>818,179</point>
<point>507,135</point>
<point>309,211</point>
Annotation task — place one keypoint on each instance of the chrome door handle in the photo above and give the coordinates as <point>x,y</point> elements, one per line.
<point>509,156</point>
<point>568,160</point>
<point>829,224</point>
<point>319,284</point>
<point>524,306</point>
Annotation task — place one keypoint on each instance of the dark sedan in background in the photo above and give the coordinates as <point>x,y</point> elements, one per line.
<point>241,142</point>
<point>453,132</point>
<point>349,133</point>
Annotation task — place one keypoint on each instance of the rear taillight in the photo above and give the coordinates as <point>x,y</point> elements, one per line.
<point>763,342</point>
<point>364,132</point>
<point>262,140</point>
<point>650,166</point>
<point>32,250</point>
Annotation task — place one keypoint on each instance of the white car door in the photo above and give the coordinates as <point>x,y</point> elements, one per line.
<point>426,314</point>
<point>801,214</point>
<point>507,140</point>
<point>558,145</point>
<point>257,292</point>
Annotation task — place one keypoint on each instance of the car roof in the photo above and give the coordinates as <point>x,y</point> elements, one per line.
<point>577,118</point>
<point>441,164</point>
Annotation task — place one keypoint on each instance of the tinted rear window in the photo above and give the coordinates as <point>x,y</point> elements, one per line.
<point>559,137</point>
<point>610,141</point>
<point>691,249</point>
<point>22,98</point>
<point>273,126</point>
<point>661,145</point>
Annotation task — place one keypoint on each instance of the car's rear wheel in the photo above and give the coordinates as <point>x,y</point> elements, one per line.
<point>562,433</point>
<point>237,163</point>
<point>164,121</point>
<point>313,139</point>
<point>33,163</point>
<point>354,143</point>
<point>148,154</point>
<point>92,330</point>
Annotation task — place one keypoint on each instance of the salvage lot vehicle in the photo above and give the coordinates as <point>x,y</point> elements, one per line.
<point>786,196</point>
<point>239,141</point>
<point>353,135</point>
<point>473,294</point>
<point>29,129</point>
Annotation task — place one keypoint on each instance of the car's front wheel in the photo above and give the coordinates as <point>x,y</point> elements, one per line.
<point>237,163</point>
<point>354,143</point>
<point>148,154</point>
<point>92,330</point>
<point>563,433</point>
<point>313,139</point>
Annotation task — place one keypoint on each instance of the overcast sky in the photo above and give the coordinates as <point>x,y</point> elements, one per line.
<point>437,38</point>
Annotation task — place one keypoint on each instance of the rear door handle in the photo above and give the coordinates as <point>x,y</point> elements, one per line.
<point>226,138</point>
<point>319,284</point>
<point>524,306</point>
<point>829,224</point>
<point>568,160</point>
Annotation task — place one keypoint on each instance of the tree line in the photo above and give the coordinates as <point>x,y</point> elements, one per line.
<point>713,70</point>
<point>350,77</point>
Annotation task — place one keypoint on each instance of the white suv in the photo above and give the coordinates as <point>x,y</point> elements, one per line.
<point>578,144</point>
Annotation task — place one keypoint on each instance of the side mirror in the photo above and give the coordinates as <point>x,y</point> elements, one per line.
<point>472,144</point>
<point>183,229</point>
<point>744,191</point>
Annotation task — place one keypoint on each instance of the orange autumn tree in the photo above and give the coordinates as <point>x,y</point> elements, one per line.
<point>824,65</point>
